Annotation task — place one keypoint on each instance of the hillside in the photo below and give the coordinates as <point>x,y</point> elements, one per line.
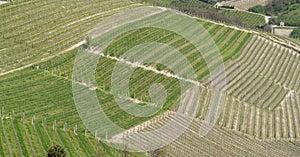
<point>40,43</point>
<point>219,142</point>
<point>245,4</point>
<point>209,11</point>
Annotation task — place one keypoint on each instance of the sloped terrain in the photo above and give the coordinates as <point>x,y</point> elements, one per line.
<point>260,113</point>
<point>219,141</point>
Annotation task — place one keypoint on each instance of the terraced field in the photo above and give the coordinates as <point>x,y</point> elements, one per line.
<point>34,30</point>
<point>247,18</point>
<point>37,105</point>
<point>264,90</point>
<point>218,142</point>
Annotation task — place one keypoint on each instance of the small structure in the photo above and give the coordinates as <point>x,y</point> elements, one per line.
<point>281,24</point>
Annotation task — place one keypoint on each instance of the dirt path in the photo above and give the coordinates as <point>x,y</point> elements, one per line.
<point>44,59</point>
<point>137,64</point>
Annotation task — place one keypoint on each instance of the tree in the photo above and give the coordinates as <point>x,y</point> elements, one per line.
<point>56,151</point>
<point>278,5</point>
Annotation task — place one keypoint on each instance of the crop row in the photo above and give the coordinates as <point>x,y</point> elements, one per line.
<point>282,123</point>
<point>263,74</point>
<point>247,18</point>
<point>51,32</point>
<point>218,141</point>
<point>28,139</point>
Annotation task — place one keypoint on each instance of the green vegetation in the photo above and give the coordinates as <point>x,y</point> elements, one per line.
<point>32,30</point>
<point>40,97</point>
<point>37,105</point>
<point>296,33</point>
<point>207,11</point>
<point>246,18</point>
<point>289,20</point>
<point>287,11</point>
<point>279,7</point>
<point>56,151</point>
<point>258,9</point>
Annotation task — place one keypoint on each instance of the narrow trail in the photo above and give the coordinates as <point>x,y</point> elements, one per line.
<point>92,88</point>
<point>147,68</point>
<point>44,59</point>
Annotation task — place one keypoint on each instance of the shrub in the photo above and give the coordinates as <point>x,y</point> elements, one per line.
<point>258,9</point>
<point>56,151</point>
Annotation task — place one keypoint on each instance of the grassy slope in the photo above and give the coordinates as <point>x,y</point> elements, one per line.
<point>46,93</point>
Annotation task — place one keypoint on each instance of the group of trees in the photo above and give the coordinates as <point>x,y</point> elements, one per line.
<point>277,7</point>
<point>288,11</point>
<point>287,19</point>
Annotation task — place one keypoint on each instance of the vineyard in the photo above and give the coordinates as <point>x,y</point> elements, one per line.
<point>247,18</point>
<point>219,141</point>
<point>40,39</point>
<point>53,26</point>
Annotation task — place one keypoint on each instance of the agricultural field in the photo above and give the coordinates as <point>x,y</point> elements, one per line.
<point>247,18</point>
<point>40,41</point>
<point>205,10</point>
<point>220,142</point>
<point>53,26</point>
